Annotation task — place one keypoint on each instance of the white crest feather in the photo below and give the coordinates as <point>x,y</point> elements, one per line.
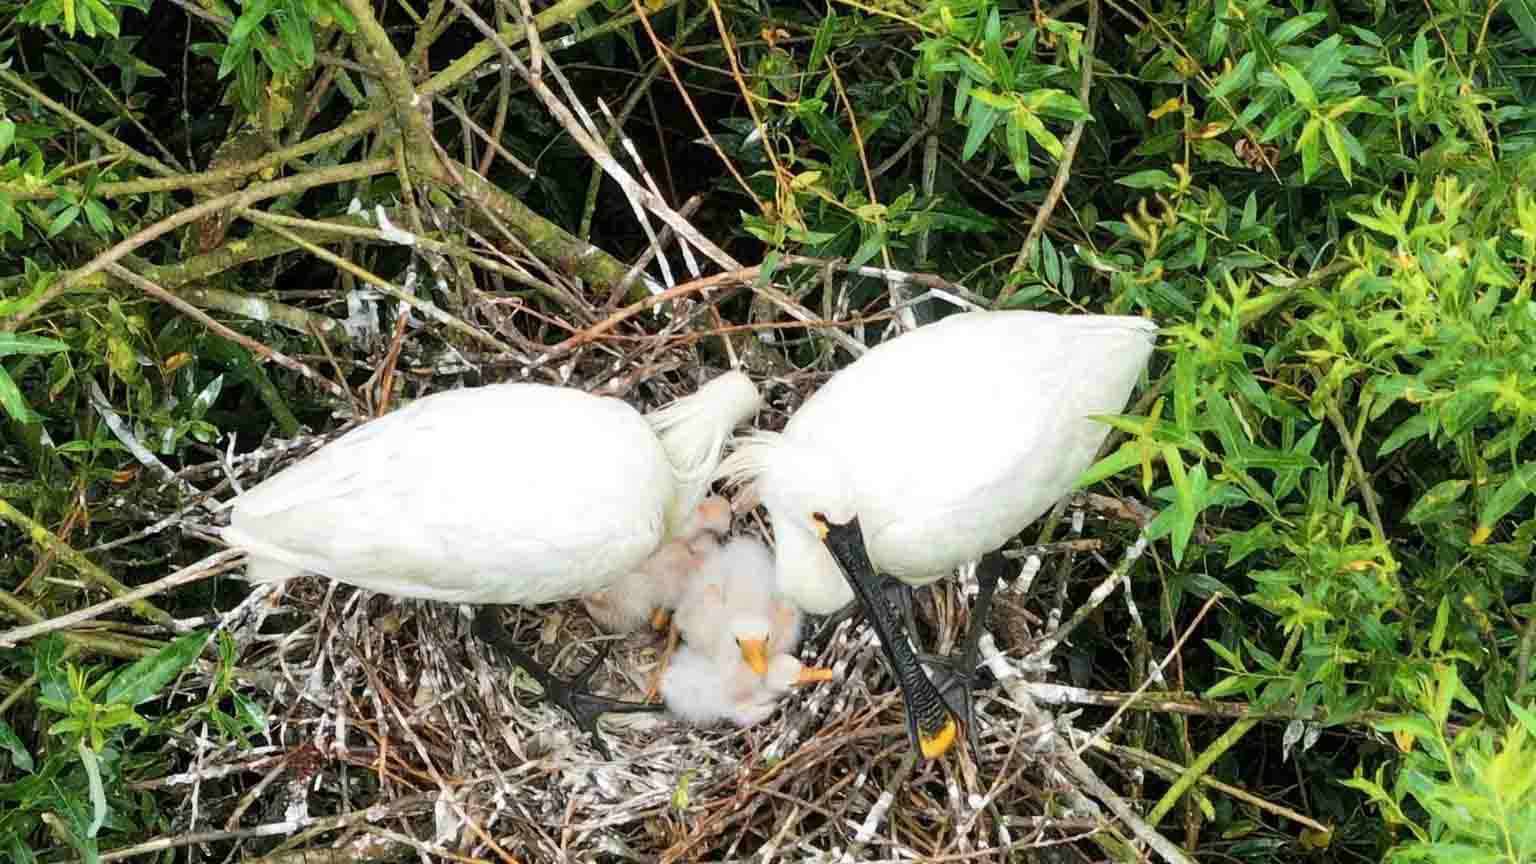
<point>693,430</point>
<point>752,456</point>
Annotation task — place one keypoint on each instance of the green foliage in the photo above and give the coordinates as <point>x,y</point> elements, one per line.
<point>76,786</point>
<point>89,18</point>
<point>280,33</point>
<point>1327,207</point>
<point>1479,788</point>
<point>12,344</point>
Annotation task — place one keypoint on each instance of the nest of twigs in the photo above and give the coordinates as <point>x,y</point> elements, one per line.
<point>394,731</point>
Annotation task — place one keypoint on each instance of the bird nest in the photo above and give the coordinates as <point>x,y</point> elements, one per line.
<point>390,732</point>
<point>393,731</point>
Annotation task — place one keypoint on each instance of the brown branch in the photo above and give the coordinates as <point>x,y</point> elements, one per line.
<point>204,319</point>
<point>243,198</point>
<point>81,564</point>
<point>1069,153</point>
<point>219,562</point>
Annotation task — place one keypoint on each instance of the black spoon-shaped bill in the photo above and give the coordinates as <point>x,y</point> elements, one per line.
<point>930,723</point>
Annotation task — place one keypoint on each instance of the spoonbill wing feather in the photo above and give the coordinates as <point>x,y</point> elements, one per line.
<point>958,433</point>
<point>513,493</point>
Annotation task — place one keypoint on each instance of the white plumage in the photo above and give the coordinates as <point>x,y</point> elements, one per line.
<point>703,689</point>
<point>932,450</point>
<point>733,592</point>
<point>509,493</point>
<point>740,635</point>
<point>944,442</point>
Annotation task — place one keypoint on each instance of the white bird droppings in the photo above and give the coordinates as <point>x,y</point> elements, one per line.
<point>391,233</point>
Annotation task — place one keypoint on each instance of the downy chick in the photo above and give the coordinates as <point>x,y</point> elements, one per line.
<point>647,594</point>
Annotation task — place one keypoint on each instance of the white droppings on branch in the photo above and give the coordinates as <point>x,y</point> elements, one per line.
<point>389,231</point>
<point>136,447</point>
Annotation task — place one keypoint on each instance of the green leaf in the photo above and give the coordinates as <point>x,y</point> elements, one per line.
<point>868,249</point>
<point>1301,91</point>
<point>1524,13</point>
<point>250,713</point>
<point>1439,503</point>
<point>71,818</point>
<point>1228,686</point>
<point>1311,149</point>
<point>1239,76</point>
<point>1059,104</point>
<point>1233,660</point>
<point>10,223</point>
<point>20,343</point>
<point>1282,123</point>
<point>293,28</point>
<point>1509,495</point>
<point>1018,146</point>
<point>1442,620</point>
<point>251,16</point>
<point>1288,31</point>
<point>1337,147</point>
<point>1241,544</point>
<point>1050,262</point>
<point>13,402</point>
<point>1185,506</point>
<point>99,218</point>
<point>823,42</point>
<point>983,118</point>
<point>1152,178</point>
<point>142,681</point>
<point>206,397</point>
<point>1413,428</point>
<point>66,217</point>
<point>1186,382</point>
<point>12,844</point>
<point>235,55</point>
<point>1041,135</point>
<point>1128,456</point>
<point>1526,716</point>
<point>10,743</point>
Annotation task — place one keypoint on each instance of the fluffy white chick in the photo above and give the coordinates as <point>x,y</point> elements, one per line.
<point>707,686</point>
<point>734,589</point>
<point>646,594</point>
<point>740,633</point>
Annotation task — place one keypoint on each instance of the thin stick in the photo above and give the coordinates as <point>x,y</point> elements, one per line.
<point>243,198</point>
<point>206,320</point>
<point>125,435</point>
<point>213,565</point>
<point>1069,152</point>
<point>79,563</point>
<point>1171,770</point>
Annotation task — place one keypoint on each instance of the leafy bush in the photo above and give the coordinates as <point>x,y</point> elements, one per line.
<point>1328,208</point>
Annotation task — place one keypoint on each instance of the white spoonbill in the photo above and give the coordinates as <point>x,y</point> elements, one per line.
<point>932,450</point>
<point>511,493</point>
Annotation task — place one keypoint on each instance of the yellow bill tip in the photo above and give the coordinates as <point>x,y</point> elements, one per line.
<point>755,652</point>
<point>661,619</point>
<point>1481,535</point>
<point>813,675</point>
<point>937,744</point>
